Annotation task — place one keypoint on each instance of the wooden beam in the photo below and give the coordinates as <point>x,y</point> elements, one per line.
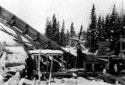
<point>25,29</point>
<point>11,22</point>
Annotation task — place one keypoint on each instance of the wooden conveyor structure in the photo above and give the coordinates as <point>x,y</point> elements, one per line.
<point>35,39</point>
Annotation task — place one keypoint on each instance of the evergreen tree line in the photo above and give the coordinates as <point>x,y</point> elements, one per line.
<point>108,28</point>
<point>58,34</point>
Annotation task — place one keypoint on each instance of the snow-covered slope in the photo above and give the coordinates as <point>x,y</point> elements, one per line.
<point>73,51</point>
<point>70,50</point>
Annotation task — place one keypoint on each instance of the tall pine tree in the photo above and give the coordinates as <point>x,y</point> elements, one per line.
<point>113,29</point>
<point>92,35</point>
<point>107,28</point>
<point>62,35</point>
<point>103,32</point>
<point>99,27</point>
<point>55,29</point>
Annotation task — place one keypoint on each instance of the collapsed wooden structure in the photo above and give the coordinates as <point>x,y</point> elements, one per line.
<point>27,36</point>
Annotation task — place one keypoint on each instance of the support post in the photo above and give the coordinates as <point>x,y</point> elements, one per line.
<point>51,67</point>
<point>39,72</point>
<point>93,67</point>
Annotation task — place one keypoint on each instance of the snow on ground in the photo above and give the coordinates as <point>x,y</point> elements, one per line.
<point>78,81</point>
<point>17,54</point>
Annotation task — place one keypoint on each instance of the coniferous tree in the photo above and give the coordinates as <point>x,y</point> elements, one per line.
<point>62,35</point>
<point>122,25</point>
<point>92,39</point>
<point>120,29</point>
<point>93,19</point>
<point>103,32</point>
<point>48,29</point>
<point>57,33</point>
<point>55,29</point>
<point>113,22</point>
<point>72,31</point>
<point>88,39</point>
<point>113,29</point>
<point>72,35</point>
<point>107,28</point>
<point>54,25</point>
<point>80,33</point>
<point>67,37</point>
<point>99,27</point>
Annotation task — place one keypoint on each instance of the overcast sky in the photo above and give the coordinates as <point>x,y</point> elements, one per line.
<point>35,12</point>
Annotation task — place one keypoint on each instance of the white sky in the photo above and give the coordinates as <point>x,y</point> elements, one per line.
<point>35,12</point>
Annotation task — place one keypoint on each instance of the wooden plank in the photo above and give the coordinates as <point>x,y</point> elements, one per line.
<point>6,15</point>
<point>70,74</point>
<point>32,31</point>
<point>19,24</point>
<point>25,29</point>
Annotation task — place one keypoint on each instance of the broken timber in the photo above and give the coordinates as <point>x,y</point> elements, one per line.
<point>111,79</point>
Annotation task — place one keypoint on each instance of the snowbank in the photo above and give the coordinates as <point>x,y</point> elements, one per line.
<point>78,81</point>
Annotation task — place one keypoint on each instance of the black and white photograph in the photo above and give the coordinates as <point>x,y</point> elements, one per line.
<point>62,42</point>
